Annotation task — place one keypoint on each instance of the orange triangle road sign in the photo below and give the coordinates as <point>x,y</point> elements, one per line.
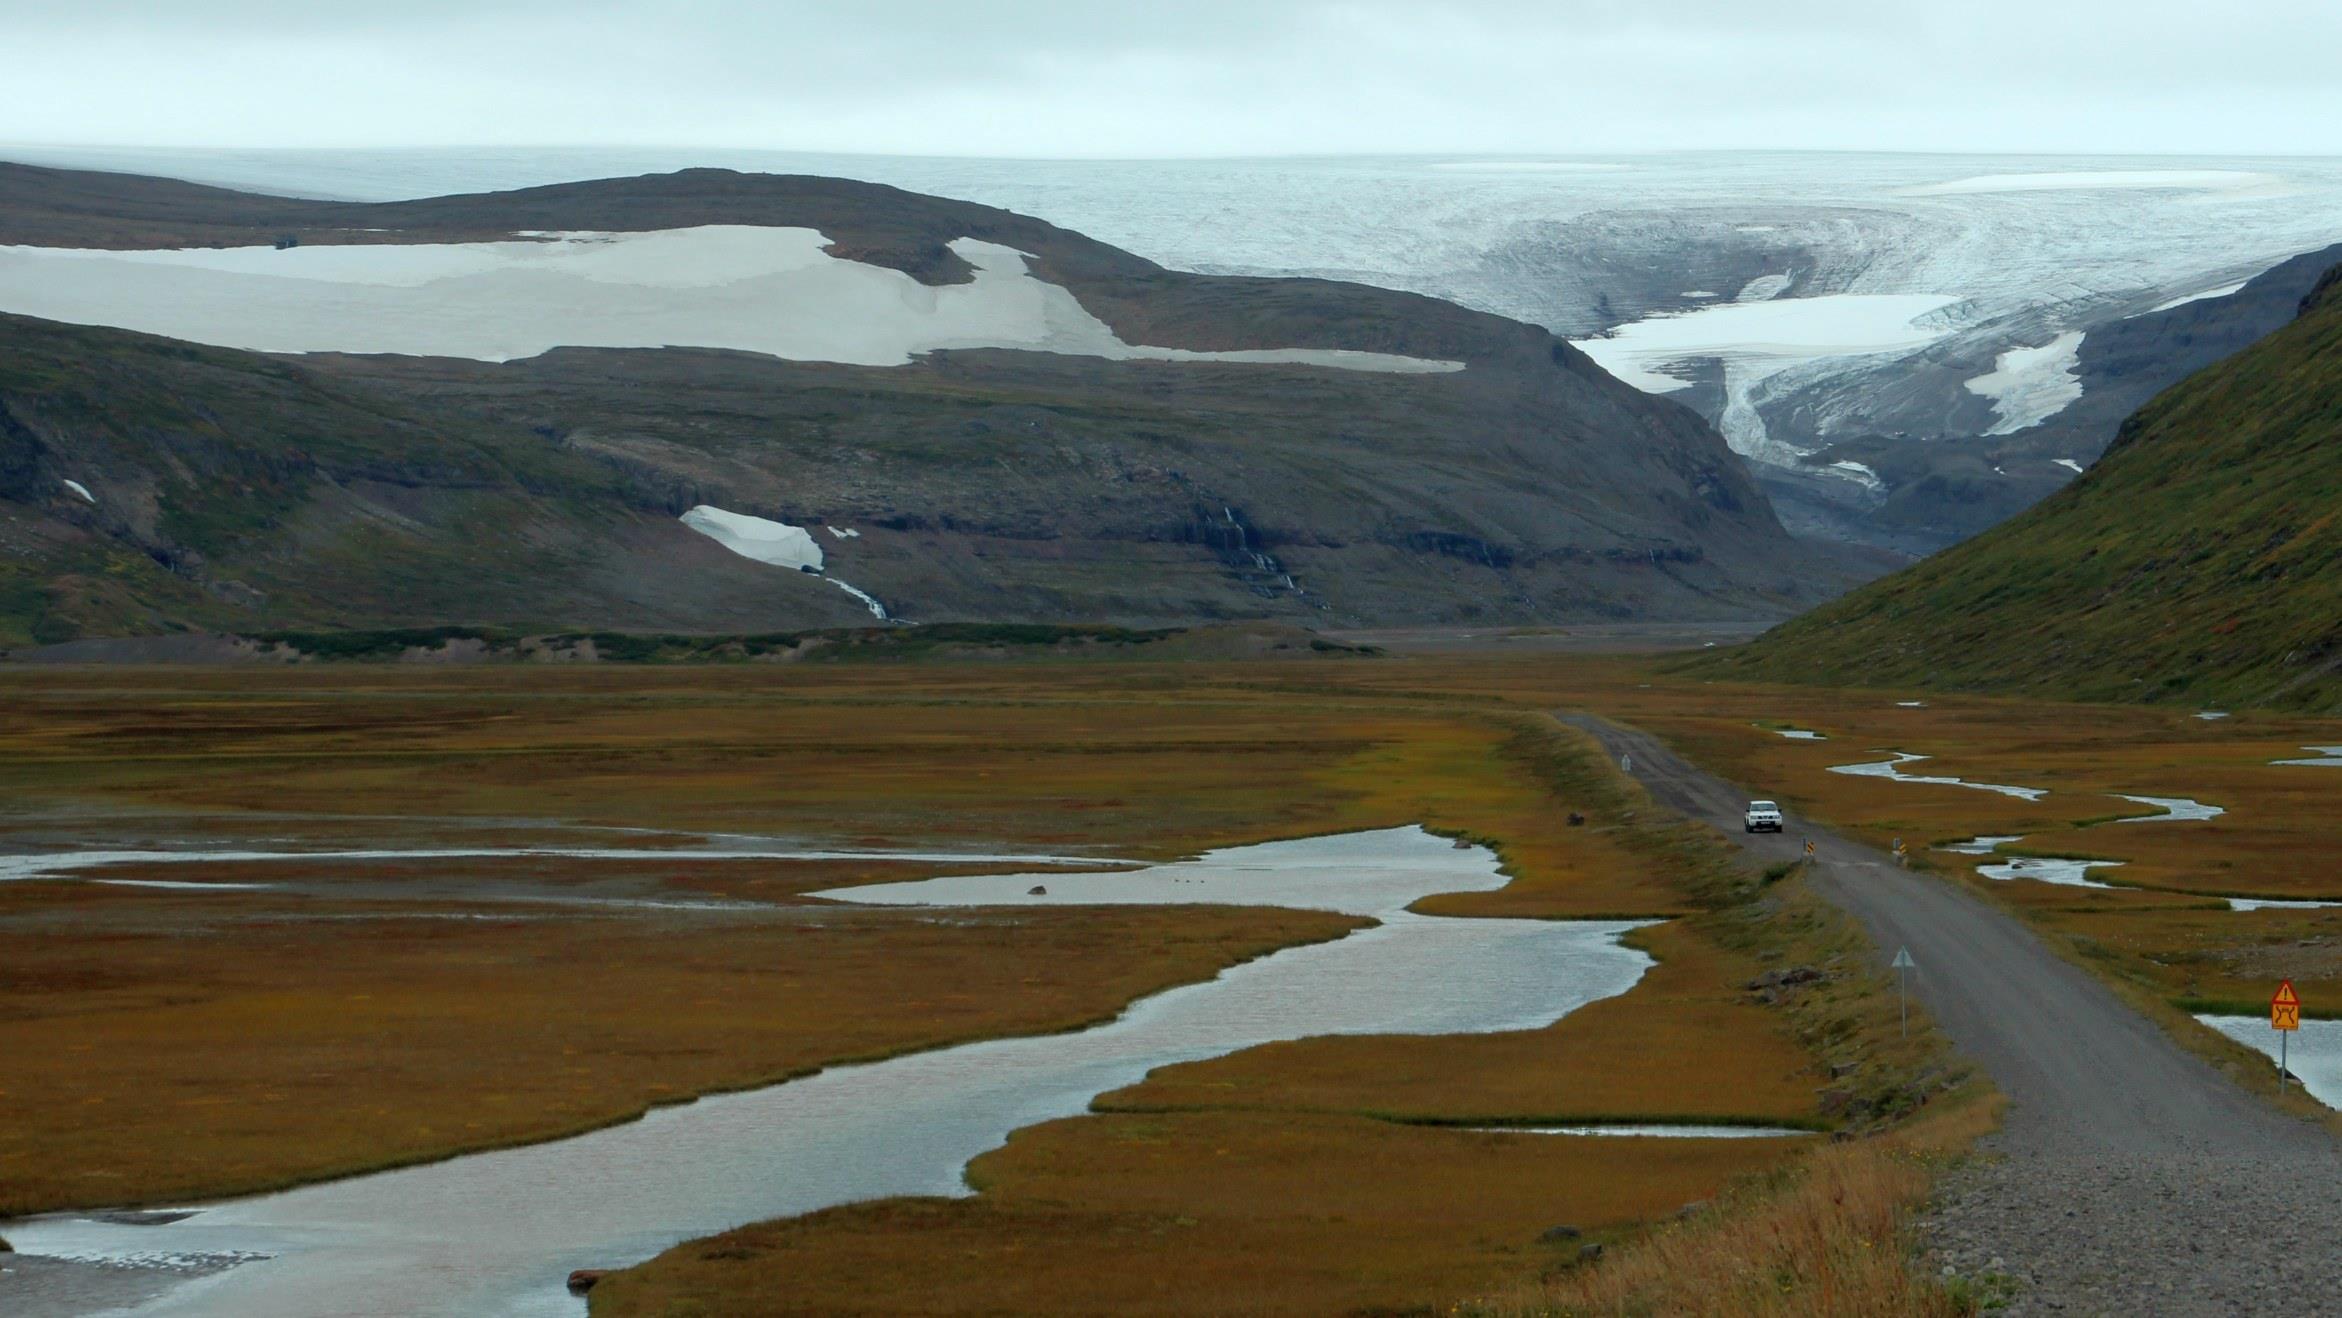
<point>2286,997</point>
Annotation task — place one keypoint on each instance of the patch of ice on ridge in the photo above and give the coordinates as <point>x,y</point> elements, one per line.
<point>82,490</point>
<point>2028,386</point>
<point>2223,291</point>
<point>1860,473</point>
<point>749,288</point>
<point>766,541</point>
<point>776,543</point>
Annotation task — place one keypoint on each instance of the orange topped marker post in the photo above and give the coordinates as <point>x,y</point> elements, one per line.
<point>2285,1018</point>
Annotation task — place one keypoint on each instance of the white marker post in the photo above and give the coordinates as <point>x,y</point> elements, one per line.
<point>1903,965</point>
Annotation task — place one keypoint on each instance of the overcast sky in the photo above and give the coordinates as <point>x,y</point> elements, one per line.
<point>1181,77</point>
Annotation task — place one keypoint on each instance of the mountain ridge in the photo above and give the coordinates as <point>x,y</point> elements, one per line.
<point>986,484</point>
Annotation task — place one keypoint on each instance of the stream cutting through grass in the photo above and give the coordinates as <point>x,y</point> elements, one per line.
<point>496,1233</point>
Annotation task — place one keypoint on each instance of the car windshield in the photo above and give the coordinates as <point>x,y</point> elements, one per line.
<point>1762,805</point>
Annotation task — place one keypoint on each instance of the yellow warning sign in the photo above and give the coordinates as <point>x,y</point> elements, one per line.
<point>2285,1008</point>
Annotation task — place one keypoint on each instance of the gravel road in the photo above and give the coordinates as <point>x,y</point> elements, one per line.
<point>2129,1177</point>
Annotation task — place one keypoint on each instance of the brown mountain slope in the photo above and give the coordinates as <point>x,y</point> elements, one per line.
<point>984,485</point>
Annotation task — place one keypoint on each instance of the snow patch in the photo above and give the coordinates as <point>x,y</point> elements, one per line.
<point>745,287</point>
<point>843,532</point>
<point>82,490</point>
<point>2212,715</point>
<point>2127,180</point>
<point>1859,473</point>
<point>777,543</point>
<point>2069,464</point>
<point>2028,386</point>
<point>1763,288</point>
<point>1800,734</point>
<point>2223,291</point>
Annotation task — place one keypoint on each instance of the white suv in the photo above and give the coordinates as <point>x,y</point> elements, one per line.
<point>1764,817</point>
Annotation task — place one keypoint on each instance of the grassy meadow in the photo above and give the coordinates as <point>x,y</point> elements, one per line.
<point>236,1039</point>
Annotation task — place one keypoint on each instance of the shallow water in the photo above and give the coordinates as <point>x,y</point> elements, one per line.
<point>1893,769</point>
<point>2329,757</point>
<point>2314,1055</point>
<point>69,864</point>
<point>1655,1132</point>
<point>2173,808</point>
<point>495,1233</point>
<point>2068,873</point>
<point>1981,846</point>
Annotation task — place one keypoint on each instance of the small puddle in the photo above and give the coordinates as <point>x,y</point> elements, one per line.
<point>2274,904</point>
<point>1893,770</point>
<point>2329,757</point>
<point>2212,715</point>
<point>2314,1055</point>
<point>1799,734</point>
<point>496,1233</point>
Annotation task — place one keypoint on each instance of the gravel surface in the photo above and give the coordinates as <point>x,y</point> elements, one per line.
<point>2129,1176</point>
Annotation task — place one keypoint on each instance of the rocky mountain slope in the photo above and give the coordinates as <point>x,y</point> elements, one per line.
<point>2199,561</point>
<point>1367,457</point>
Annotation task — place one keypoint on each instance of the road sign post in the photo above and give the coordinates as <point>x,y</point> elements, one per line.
<point>1903,965</point>
<point>2284,1018</point>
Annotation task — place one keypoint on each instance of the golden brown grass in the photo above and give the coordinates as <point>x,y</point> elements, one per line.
<point>168,1045</point>
<point>1200,1213</point>
<point>1301,1209</point>
<point>1688,1044</point>
<point>1827,1238</point>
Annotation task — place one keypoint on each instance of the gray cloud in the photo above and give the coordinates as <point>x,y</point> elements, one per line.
<point>1102,78</point>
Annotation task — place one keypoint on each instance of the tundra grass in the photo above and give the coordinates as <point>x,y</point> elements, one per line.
<point>406,1034</point>
<point>1344,1174</point>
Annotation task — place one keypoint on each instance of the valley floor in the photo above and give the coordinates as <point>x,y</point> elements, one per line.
<point>236,1038</point>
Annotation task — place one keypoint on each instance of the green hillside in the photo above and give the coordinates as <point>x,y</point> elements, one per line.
<point>2199,562</point>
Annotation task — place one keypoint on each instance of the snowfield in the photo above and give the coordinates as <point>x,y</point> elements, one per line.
<point>754,289</point>
<point>2028,386</point>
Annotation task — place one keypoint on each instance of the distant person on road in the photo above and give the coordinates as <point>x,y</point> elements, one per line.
<point>1626,764</point>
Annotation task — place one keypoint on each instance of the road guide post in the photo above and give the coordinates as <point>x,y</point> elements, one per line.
<point>1903,965</point>
<point>2284,1018</point>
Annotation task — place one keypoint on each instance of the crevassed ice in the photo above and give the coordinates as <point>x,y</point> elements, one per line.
<point>746,287</point>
